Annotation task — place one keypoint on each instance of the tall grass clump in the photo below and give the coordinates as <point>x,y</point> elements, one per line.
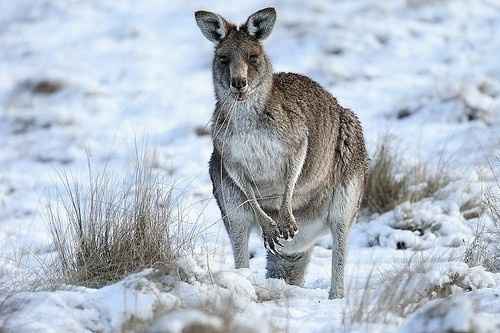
<point>3,313</point>
<point>9,304</point>
<point>390,182</point>
<point>495,260</point>
<point>394,296</point>
<point>484,248</point>
<point>110,226</point>
<point>492,205</point>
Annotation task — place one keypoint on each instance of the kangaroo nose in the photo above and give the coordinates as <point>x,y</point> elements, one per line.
<point>239,83</point>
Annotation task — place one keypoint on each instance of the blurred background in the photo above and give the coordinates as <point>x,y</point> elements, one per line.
<point>98,75</point>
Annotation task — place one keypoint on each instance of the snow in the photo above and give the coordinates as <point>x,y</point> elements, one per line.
<point>176,321</point>
<point>425,71</point>
<point>87,310</point>
<point>455,314</point>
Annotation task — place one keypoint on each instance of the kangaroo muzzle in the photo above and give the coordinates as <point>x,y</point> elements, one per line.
<point>239,83</point>
<point>239,79</point>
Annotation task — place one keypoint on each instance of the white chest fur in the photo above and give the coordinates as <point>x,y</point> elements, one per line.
<point>257,150</point>
<point>260,153</point>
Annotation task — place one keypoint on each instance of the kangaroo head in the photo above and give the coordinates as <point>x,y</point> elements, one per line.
<point>240,66</point>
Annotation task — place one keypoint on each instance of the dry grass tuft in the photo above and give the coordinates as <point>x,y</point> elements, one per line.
<point>389,184</point>
<point>384,190</point>
<point>478,251</point>
<point>492,207</point>
<point>393,297</point>
<point>109,228</point>
<point>484,249</point>
<point>388,296</point>
<point>217,315</point>
<point>7,308</point>
<point>3,314</point>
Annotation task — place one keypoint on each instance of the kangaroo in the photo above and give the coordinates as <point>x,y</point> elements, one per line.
<point>286,156</point>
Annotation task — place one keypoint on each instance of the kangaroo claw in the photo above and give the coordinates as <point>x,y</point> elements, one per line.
<point>287,226</point>
<point>272,239</point>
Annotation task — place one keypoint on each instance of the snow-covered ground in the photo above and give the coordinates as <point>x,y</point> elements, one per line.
<point>425,71</point>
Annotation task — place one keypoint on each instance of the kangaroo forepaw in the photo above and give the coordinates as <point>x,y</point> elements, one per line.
<point>287,226</point>
<point>271,237</point>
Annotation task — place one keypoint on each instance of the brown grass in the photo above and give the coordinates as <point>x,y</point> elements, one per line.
<point>389,183</point>
<point>222,313</point>
<point>484,249</point>
<point>7,308</point>
<point>492,207</point>
<point>494,211</point>
<point>478,251</point>
<point>3,315</point>
<point>394,296</point>
<point>111,227</point>
<point>396,293</point>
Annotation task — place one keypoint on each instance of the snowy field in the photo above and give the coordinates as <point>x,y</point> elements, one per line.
<point>427,72</point>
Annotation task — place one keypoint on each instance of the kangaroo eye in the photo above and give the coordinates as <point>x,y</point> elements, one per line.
<point>254,58</point>
<point>223,60</point>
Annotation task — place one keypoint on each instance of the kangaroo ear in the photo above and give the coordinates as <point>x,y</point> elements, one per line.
<point>261,23</point>
<point>213,26</point>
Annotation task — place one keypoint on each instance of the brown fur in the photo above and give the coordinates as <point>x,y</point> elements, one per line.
<point>285,152</point>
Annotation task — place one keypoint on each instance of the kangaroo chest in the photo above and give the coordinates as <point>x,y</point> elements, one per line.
<point>257,151</point>
<point>260,153</point>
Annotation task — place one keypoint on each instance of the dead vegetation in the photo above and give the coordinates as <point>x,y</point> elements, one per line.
<point>390,295</point>
<point>213,316</point>
<point>478,251</point>
<point>492,207</point>
<point>494,260</point>
<point>7,309</point>
<point>112,226</point>
<point>390,183</point>
<point>3,314</point>
<point>484,249</point>
<point>202,131</point>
